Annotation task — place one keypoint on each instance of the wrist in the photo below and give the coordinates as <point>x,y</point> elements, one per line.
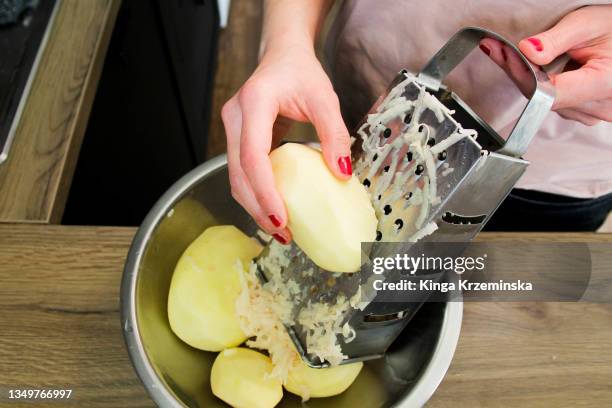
<point>283,44</point>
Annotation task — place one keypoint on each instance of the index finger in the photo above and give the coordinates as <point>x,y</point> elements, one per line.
<point>241,187</point>
<point>258,116</point>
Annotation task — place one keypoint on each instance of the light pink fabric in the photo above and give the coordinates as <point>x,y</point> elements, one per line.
<point>373,40</point>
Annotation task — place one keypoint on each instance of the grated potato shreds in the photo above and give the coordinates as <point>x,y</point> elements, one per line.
<point>264,310</point>
<point>322,322</point>
<point>261,314</point>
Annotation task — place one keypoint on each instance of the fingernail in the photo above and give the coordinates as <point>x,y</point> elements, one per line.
<point>275,220</point>
<point>504,55</point>
<point>485,49</point>
<point>536,43</point>
<point>345,165</point>
<point>280,238</point>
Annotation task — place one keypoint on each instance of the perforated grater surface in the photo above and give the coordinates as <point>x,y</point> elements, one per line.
<point>435,172</point>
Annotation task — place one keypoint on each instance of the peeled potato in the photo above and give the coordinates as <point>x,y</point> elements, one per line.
<point>308,382</point>
<point>205,286</point>
<point>328,217</point>
<point>239,377</point>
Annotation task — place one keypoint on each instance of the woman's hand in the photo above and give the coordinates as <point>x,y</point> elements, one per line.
<point>289,84</point>
<point>583,94</point>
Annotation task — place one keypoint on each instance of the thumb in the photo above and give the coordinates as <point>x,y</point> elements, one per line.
<point>335,140</point>
<point>543,48</point>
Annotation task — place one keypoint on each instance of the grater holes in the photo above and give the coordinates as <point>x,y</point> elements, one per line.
<point>378,235</point>
<point>419,170</point>
<point>442,155</point>
<point>452,218</point>
<point>409,156</point>
<point>386,169</point>
<point>366,183</point>
<point>399,223</point>
<point>387,133</point>
<point>387,209</point>
<point>408,118</point>
<point>379,318</point>
<point>431,142</point>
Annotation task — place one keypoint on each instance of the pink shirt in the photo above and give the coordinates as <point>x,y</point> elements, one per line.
<point>373,40</point>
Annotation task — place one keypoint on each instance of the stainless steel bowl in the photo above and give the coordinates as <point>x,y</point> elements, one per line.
<point>176,375</point>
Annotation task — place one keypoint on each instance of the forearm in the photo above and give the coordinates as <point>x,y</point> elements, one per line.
<point>292,23</point>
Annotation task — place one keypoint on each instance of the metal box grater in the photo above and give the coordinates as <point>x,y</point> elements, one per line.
<point>484,170</point>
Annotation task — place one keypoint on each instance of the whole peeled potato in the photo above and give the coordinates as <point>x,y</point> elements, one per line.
<point>328,218</point>
<point>239,377</point>
<point>205,286</point>
<point>308,382</point>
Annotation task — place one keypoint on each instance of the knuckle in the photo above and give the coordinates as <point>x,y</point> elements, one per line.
<point>332,98</point>
<point>338,139</point>
<point>263,199</point>
<point>235,185</point>
<point>329,100</point>
<point>236,194</point>
<point>264,224</point>
<point>249,93</point>
<point>234,179</point>
<point>226,111</point>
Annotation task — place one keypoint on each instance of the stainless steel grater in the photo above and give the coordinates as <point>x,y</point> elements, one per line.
<point>436,172</point>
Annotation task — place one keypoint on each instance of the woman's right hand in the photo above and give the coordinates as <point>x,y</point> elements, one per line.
<point>289,84</point>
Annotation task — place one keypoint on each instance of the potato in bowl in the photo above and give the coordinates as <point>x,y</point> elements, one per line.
<point>178,375</point>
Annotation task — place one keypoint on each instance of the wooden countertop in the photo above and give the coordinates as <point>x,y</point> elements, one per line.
<point>59,319</point>
<point>35,179</point>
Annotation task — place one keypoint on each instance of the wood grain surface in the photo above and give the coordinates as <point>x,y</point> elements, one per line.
<point>59,313</point>
<point>59,319</point>
<point>35,179</point>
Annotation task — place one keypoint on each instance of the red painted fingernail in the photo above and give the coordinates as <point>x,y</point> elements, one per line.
<point>275,220</point>
<point>280,238</point>
<point>345,165</point>
<point>504,55</point>
<point>536,43</point>
<point>485,49</point>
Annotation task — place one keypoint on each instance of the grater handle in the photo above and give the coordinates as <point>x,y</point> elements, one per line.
<point>540,101</point>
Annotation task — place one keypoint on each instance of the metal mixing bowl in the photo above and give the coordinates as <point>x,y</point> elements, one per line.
<point>177,375</point>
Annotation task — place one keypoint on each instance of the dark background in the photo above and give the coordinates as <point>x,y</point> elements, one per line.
<point>149,120</point>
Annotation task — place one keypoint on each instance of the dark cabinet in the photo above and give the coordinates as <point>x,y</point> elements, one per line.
<point>150,115</point>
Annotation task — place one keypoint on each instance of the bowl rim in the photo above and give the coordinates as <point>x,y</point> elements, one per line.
<point>422,391</point>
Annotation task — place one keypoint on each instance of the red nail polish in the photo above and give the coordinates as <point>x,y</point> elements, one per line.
<point>504,55</point>
<point>536,43</point>
<point>280,238</point>
<point>485,49</point>
<point>344,163</point>
<point>275,220</point>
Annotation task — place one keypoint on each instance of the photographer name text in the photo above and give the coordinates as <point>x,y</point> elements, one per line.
<point>461,284</point>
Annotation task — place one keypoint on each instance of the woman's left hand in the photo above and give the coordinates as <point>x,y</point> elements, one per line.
<point>583,94</point>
